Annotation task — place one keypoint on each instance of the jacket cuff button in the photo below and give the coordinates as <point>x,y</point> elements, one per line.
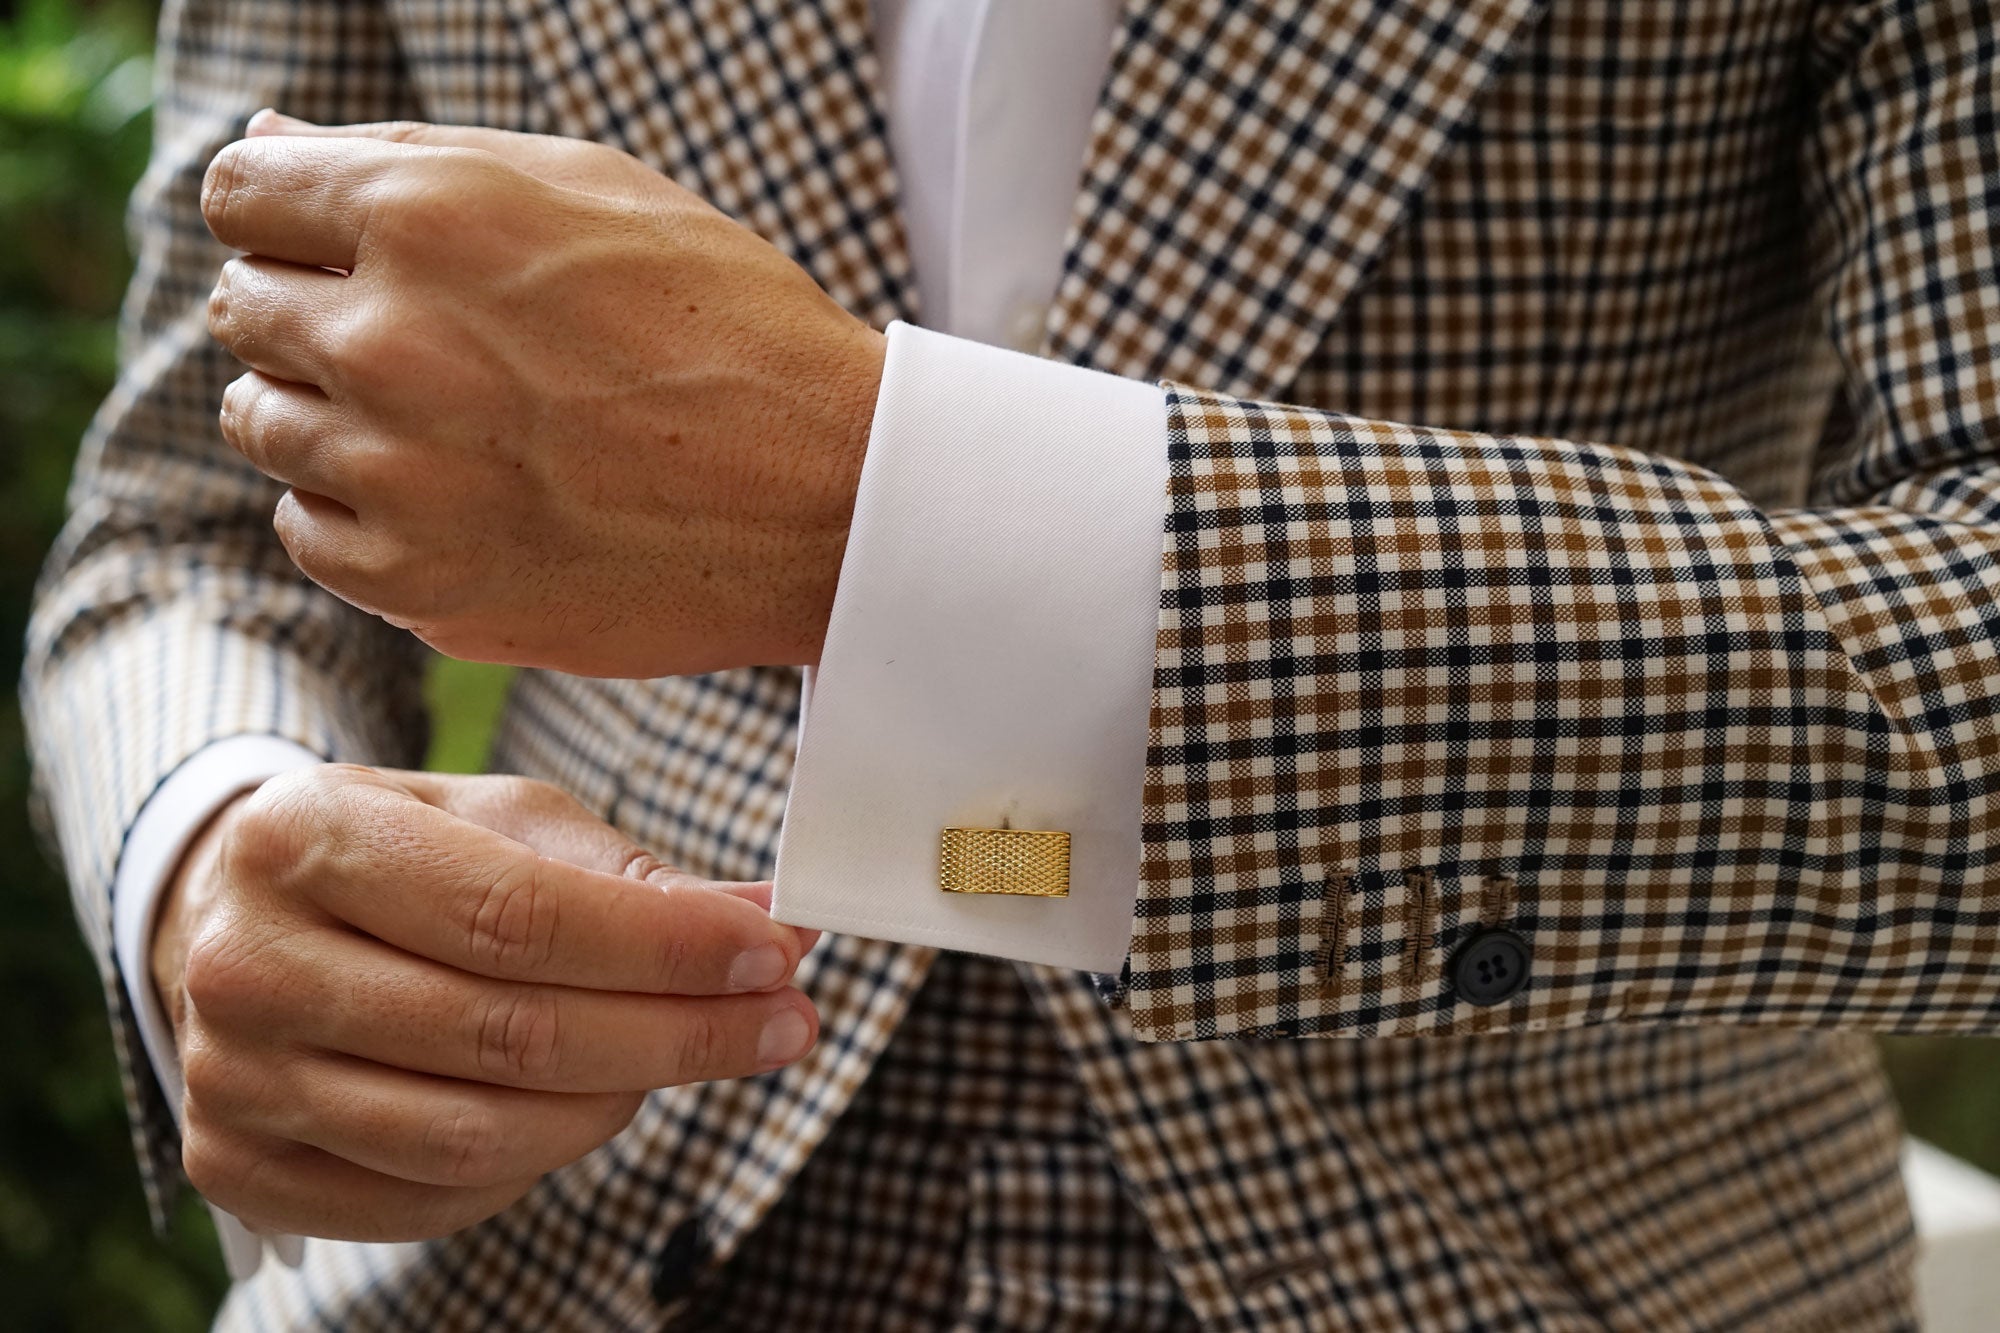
<point>1490,968</point>
<point>678,1267</point>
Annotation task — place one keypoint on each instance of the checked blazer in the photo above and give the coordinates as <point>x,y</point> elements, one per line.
<point>1583,519</point>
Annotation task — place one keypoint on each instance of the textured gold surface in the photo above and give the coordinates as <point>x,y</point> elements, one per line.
<point>1032,863</point>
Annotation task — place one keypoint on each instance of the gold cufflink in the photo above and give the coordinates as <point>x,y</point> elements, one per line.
<point>1031,863</point>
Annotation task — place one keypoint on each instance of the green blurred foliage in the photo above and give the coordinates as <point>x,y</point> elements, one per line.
<point>75,1248</point>
<point>465,699</point>
<point>1949,1089</point>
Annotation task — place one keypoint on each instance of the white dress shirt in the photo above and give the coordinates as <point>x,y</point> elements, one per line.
<point>990,654</point>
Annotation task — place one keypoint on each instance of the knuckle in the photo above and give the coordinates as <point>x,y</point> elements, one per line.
<point>219,185</point>
<point>376,572</point>
<point>411,205</point>
<point>228,1173</point>
<point>208,1166</point>
<point>513,925</point>
<point>374,356</point>
<point>299,826</point>
<point>674,954</point>
<point>700,1048</point>
<point>224,1083</point>
<point>238,396</point>
<point>403,131</point>
<point>368,351</point>
<point>387,567</point>
<point>635,862</point>
<point>356,565</point>
<point>374,470</point>
<point>295,533</point>
<point>247,1180</point>
<point>218,306</point>
<point>204,1077</point>
<point>472,166</point>
<point>519,1037</point>
<point>342,777</point>
<point>246,418</point>
<point>227,976</point>
<point>428,208</point>
<point>400,201</point>
<point>270,840</point>
<point>234,412</point>
<point>468,1145</point>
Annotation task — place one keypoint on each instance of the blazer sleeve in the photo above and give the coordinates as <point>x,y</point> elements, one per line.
<point>1701,763</point>
<point>168,615</point>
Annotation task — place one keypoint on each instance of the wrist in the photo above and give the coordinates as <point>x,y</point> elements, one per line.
<point>856,384</point>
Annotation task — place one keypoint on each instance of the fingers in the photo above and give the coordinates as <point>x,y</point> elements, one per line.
<point>329,989</point>
<point>435,1131</point>
<point>523,150</point>
<point>554,823</point>
<point>288,431</point>
<point>312,201</point>
<point>759,894</point>
<point>483,903</point>
<point>340,1085</point>
<point>325,539</point>
<point>294,1189</point>
<point>279,318</point>
<point>544,817</point>
<point>576,164</point>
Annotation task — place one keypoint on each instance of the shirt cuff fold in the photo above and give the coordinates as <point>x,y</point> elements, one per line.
<point>989,660</point>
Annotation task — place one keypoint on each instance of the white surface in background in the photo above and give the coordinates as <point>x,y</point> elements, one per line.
<point>1957,1208</point>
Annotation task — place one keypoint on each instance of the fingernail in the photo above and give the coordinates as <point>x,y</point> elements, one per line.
<point>783,1039</point>
<point>759,969</point>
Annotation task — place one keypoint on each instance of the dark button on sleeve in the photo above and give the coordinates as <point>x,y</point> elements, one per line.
<point>1491,967</point>
<point>680,1261</point>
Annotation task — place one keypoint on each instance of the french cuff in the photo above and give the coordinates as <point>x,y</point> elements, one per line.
<point>167,824</point>
<point>989,662</point>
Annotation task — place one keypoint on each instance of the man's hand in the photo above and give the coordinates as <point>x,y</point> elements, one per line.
<point>400,998</point>
<point>536,402</point>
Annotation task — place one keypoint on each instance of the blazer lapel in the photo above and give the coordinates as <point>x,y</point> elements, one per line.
<point>769,109</point>
<point>1249,158</point>
<point>1247,163</point>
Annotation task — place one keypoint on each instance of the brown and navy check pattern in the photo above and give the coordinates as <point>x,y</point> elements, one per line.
<point>1582,521</point>
<point>963,1188</point>
<point>1720,733</point>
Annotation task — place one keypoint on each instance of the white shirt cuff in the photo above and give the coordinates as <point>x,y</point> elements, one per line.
<point>167,824</point>
<point>989,660</point>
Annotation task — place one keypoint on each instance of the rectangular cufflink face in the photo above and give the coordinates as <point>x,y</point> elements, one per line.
<point>1030,863</point>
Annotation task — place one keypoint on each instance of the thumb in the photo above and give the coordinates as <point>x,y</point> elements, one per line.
<point>554,824</point>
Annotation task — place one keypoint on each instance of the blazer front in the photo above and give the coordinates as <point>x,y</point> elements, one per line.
<point>1581,536</point>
